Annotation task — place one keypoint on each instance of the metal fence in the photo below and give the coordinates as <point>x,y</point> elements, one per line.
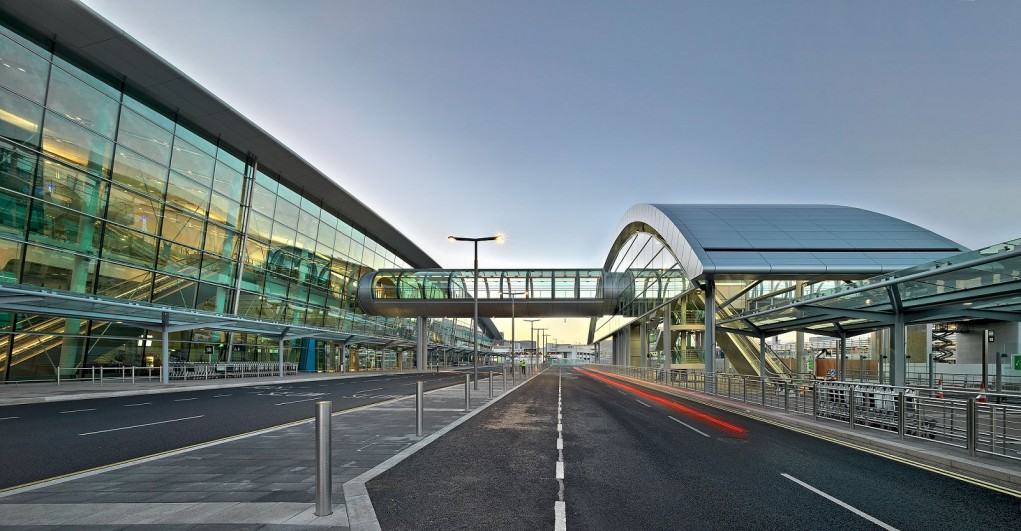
<point>986,423</point>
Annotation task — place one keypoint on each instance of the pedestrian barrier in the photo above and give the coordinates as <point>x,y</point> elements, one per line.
<point>989,423</point>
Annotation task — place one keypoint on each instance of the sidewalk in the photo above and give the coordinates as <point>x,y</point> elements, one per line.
<point>999,474</point>
<point>262,480</point>
<point>34,393</point>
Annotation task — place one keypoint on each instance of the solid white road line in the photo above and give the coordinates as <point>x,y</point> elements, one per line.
<point>643,403</point>
<point>296,401</point>
<point>186,399</point>
<point>220,396</point>
<point>560,470</point>
<point>138,404</point>
<point>868,517</point>
<point>689,426</point>
<point>560,516</point>
<point>9,418</point>
<point>141,425</point>
<point>76,410</point>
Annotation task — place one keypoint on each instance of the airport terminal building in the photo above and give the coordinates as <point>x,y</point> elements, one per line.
<point>133,202</point>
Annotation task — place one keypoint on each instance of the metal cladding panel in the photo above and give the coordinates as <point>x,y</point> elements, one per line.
<point>784,241</point>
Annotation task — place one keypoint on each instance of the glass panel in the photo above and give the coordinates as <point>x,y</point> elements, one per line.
<point>263,200</point>
<point>23,71</point>
<point>19,119</point>
<point>179,259</point>
<point>187,194</point>
<point>307,224</point>
<point>139,173</point>
<point>135,211</point>
<point>286,214</point>
<point>255,254</point>
<point>211,298</point>
<point>13,211</point>
<point>10,264</point>
<point>195,140</point>
<point>144,137</point>
<point>89,79</point>
<point>216,269</point>
<point>81,103</point>
<point>224,211</point>
<point>64,228</point>
<point>123,282</point>
<point>227,182</point>
<point>192,162</point>
<point>76,145</point>
<point>147,112</point>
<point>71,188</point>
<point>174,291</point>
<point>129,246</point>
<point>259,226</point>
<point>182,228</point>
<point>220,241</point>
<point>65,271</point>
<point>17,168</point>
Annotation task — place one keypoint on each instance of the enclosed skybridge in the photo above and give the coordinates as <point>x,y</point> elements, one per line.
<point>502,293</point>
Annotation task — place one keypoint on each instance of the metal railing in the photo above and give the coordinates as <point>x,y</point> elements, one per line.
<point>986,423</point>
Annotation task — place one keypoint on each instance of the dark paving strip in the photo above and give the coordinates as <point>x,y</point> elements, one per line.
<point>495,471</point>
<point>43,443</point>
<point>633,467</point>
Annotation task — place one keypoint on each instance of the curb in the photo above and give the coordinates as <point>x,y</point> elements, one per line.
<point>361,515</point>
<point>203,387</point>
<point>81,474</point>
<point>990,476</point>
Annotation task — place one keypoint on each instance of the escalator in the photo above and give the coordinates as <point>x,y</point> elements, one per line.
<point>742,352</point>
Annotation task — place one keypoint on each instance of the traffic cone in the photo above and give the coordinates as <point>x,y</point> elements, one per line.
<point>981,399</point>
<point>939,389</point>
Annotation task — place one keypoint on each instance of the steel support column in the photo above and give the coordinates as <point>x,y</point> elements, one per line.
<point>643,345</point>
<point>898,360</point>
<point>280,355</point>
<point>422,344</point>
<point>710,334</point>
<point>164,352</point>
<point>841,356</point>
<point>762,357</point>
<point>668,341</point>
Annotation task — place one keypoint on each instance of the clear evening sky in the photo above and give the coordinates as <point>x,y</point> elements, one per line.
<point>546,120</point>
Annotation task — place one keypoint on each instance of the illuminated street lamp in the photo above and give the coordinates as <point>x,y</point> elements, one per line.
<point>475,322</point>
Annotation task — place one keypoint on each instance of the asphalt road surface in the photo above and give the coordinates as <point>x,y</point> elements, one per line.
<point>638,459</point>
<point>41,441</point>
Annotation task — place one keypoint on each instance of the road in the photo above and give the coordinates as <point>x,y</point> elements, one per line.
<point>41,441</point>
<point>638,459</point>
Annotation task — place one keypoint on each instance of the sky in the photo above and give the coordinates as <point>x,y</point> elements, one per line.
<point>545,121</point>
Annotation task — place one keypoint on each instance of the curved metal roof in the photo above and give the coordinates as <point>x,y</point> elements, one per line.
<point>781,241</point>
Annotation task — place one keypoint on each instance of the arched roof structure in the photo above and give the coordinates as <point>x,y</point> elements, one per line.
<point>783,241</point>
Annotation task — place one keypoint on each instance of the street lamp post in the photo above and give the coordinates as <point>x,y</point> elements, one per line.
<point>475,321</point>
<point>539,339</point>
<point>512,295</point>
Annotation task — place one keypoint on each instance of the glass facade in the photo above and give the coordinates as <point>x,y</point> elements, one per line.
<point>103,194</point>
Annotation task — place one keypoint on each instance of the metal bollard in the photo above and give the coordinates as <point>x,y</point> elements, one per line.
<point>490,384</point>
<point>900,414</point>
<point>58,375</point>
<point>467,392</point>
<point>503,380</point>
<point>93,374</point>
<point>324,468</point>
<point>419,407</point>
<point>972,421</point>
<point>815,401</point>
<point>132,374</point>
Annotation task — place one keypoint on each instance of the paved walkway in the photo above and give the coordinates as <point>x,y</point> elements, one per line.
<point>32,393</point>
<point>262,481</point>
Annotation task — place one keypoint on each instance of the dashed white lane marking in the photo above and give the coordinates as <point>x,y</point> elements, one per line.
<point>220,396</point>
<point>186,399</point>
<point>643,403</point>
<point>560,516</point>
<point>76,410</point>
<point>296,401</point>
<point>141,425</point>
<point>9,418</point>
<point>689,426</point>
<point>864,515</point>
<point>138,404</point>
<point>559,506</point>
